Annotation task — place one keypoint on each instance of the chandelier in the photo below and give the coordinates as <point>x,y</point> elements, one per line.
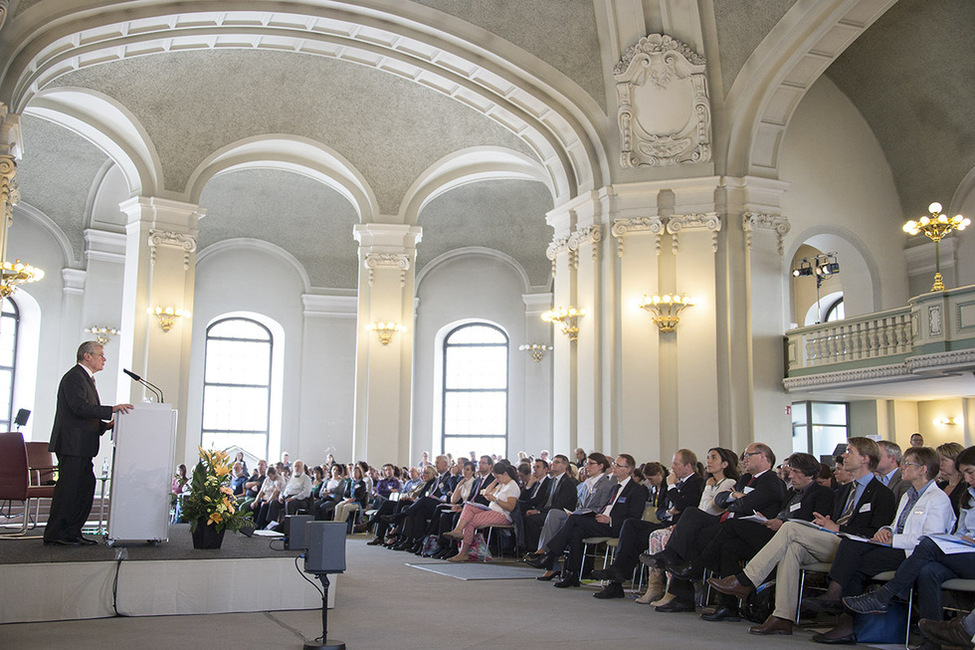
<point>936,227</point>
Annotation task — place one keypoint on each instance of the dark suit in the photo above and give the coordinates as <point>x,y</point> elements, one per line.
<point>630,503</point>
<point>696,528</point>
<point>564,498</point>
<point>865,521</point>
<point>78,423</point>
<point>737,541</point>
<point>681,496</point>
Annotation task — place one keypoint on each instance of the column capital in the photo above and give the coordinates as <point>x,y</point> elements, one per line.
<point>10,142</point>
<point>163,214</point>
<point>387,237</point>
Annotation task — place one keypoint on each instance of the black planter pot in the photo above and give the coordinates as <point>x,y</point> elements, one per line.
<point>207,536</point>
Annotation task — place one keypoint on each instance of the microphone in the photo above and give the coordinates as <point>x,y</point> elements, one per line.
<point>152,387</point>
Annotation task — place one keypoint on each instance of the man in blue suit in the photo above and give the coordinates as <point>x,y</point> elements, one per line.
<point>78,422</point>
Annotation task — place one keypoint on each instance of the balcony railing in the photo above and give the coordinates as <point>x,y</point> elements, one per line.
<point>934,333</point>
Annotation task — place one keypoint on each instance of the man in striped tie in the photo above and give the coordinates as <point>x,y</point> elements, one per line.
<point>861,508</point>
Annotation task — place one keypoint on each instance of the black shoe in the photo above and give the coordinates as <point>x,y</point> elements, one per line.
<point>87,541</point>
<point>547,576</point>
<point>612,590</point>
<point>675,605</point>
<point>546,562</point>
<point>570,579</point>
<point>686,571</point>
<point>653,560</point>
<point>607,574</point>
<point>849,639</point>
<point>61,541</point>
<point>722,613</point>
<point>405,545</point>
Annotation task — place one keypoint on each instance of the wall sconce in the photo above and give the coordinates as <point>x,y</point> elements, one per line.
<point>102,334</point>
<point>537,350</point>
<point>167,316</point>
<point>385,331</point>
<point>568,317</point>
<point>665,310</point>
<point>945,421</point>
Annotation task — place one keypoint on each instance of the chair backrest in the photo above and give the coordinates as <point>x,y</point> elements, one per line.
<point>13,466</point>
<point>40,463</point>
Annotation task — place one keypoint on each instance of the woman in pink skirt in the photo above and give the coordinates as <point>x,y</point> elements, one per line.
<point>502,497</point>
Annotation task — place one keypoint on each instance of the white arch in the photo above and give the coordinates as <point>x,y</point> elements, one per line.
<point>528,97</point>
<point>48,224</point>
<point>473,251</point>
<point>779,72</point>
<point>290,153</point>
<point>109,126</point>
<point>246,243</point>
<point>469,166</point>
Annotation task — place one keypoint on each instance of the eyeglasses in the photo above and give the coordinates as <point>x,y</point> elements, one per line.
<point>750,453</point>
<point>615,464</point>
<point>907,464</point>
<point>591,462</point>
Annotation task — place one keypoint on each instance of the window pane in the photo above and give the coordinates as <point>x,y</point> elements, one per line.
<point>235,408</point>
<point>799,441</point>
<point>239,328</point>
<point>8,335</point>
<point>825,439</point>
<point>254,443</point>
<point>477,334</point>
<point>475,414</point>
<point>237,362</point>
<point>799,412</point>
<point>462,446</point>
<point>476,367</point>
<point>825,413</point>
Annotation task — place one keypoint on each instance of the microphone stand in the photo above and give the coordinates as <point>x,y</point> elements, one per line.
<point>149,385</point>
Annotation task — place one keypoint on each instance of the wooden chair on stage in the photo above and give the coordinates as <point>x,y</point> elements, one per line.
<point>42,469</point>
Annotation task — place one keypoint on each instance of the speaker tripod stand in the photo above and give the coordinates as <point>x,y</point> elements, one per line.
<point>325,644</point>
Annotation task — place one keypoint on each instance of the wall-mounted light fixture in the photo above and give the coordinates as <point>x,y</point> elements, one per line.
<point>167,316</point>
<point>665,310</point>
<point>385,331</point>
<point>568,317</point>
<point>102,334</point>
<point>945,421</point>
<point>537,350</point>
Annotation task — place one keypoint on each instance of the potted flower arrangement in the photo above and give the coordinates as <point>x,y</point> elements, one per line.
<point>210,506</point>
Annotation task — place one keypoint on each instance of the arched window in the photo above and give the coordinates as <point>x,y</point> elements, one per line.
<point>836,311</point>
<point>475,390</point>
<point>9,331</point>
<point>237,385</point>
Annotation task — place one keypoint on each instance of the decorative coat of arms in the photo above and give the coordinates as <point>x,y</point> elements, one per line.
<point>664,112</point>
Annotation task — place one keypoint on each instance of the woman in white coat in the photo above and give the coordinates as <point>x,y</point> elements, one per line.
<point>923,510</point>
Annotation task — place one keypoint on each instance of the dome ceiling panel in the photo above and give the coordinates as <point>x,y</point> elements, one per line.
<point>57,175</point>
<point>910,76</point>
<point>301,215</point>
<point>191,104</point>
<point>504,215</point>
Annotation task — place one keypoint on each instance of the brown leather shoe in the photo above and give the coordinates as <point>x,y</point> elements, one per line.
<point>946,632</point>
<point>729,585</point>
<point>772,625</point>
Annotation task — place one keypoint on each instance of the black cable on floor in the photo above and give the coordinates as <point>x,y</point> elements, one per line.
<point>118,566</point>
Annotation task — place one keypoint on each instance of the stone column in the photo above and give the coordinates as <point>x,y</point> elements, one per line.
<point>565,436</point>
<point>160,270</point>
<point>383,382</point>
<point>9,153</point>
<point>753,280</point>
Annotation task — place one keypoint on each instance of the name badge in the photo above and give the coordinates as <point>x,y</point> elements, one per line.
<point>621,500</point>
<point>794,507</point>
<point>865,507</point>
<point>748,490</point>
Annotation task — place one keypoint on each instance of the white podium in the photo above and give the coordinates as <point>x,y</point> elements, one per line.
<point>143,443</point>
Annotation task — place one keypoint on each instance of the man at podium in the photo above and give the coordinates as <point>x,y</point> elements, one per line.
<point>78,422</point>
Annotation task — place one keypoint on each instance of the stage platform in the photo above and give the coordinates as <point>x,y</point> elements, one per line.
<point>248,574</point>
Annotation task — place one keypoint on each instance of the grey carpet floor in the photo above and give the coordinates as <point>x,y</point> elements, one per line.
<point>383,603</point>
